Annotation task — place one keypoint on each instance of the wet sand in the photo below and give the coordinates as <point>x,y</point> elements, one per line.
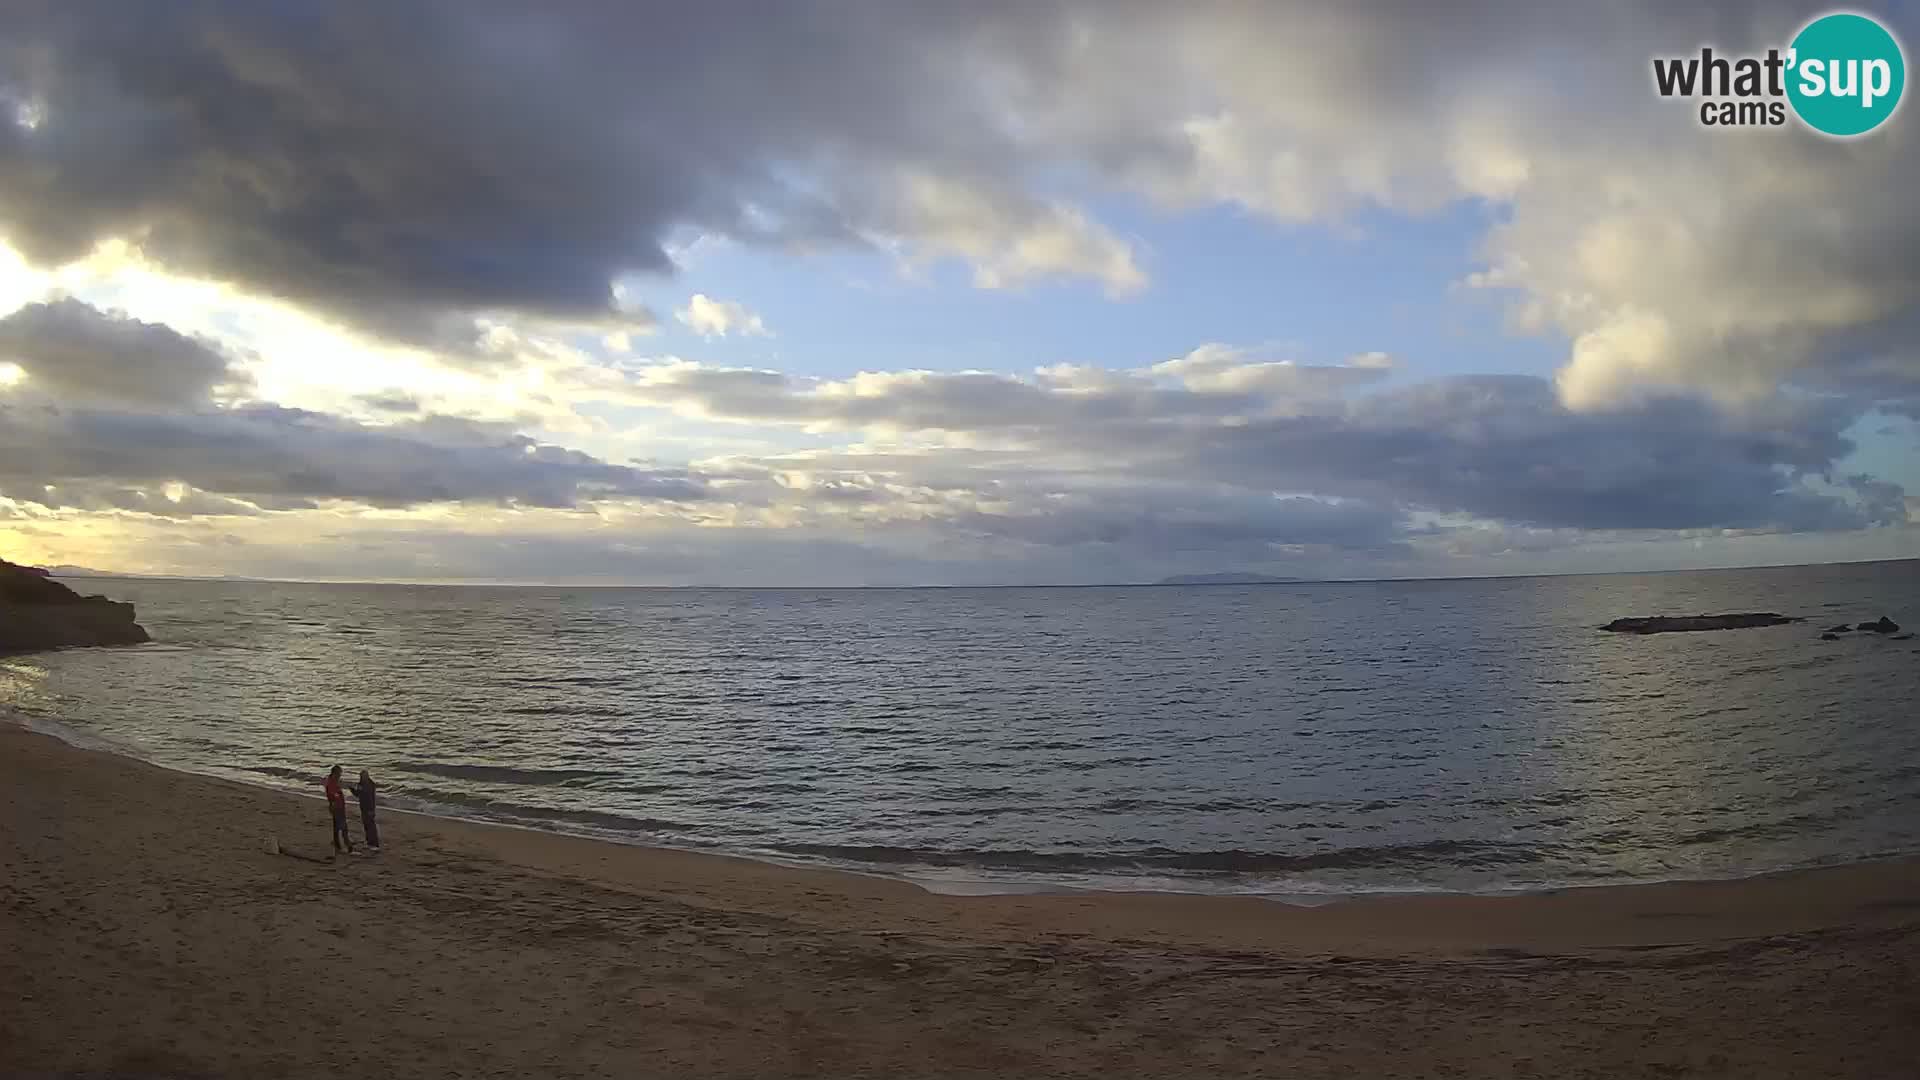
<point>146,931</point>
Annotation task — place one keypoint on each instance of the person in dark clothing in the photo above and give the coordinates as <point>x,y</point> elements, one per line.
<point>364,792</point>
<point>337,803</point>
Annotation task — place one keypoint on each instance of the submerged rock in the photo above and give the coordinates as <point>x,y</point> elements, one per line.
<point>1829,636</point>
<point>1841,629</point>
<point>37,613</point>
<point>1884,626</point>
<point>1668,624</point>
<point>1903,637</point>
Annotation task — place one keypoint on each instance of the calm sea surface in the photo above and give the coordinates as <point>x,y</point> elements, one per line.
<point>1281,739</point>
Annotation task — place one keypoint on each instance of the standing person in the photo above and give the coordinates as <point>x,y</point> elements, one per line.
<point>364,792</point>
<point>337,803</point>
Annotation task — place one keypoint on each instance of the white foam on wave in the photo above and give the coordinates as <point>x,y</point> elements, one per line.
<point>1293,892</point>
<point>72,736</point>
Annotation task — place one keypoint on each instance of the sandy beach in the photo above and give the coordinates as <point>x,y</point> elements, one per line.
<point>147,931</point>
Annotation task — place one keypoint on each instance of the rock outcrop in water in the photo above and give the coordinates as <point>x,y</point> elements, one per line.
<point>1884,626</point>
<point>37,613</point>
<point>1670,624</point>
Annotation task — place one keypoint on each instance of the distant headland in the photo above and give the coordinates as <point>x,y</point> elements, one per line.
<point>1229,578</point>
<point>71,571</point>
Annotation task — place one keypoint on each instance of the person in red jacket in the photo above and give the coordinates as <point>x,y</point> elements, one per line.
<point>337,803</point>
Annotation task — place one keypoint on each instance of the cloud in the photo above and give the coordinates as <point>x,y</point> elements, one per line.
<point>1222,450</point>
<point>167,500</point>
<point>267,452</point>
<point>1501,448</point>
<point>117,414</point>
<point>1214,381</point>
<point>390,401</point>
<point>717,318</point>
<point>1224,370</point>
<point>406,171</point>
<point>474,177</point>
<point>114,413</point>
<point>1010,238</point>
<point>410,169</point>
<point>1711,271</point>
<point>78,354</point>
<point>1506,448</point>
<point>1236,526</point>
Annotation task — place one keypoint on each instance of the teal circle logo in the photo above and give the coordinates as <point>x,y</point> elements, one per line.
<point>1845,75</point>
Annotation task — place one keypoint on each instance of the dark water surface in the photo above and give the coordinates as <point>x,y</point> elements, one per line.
<point>1285,739</point>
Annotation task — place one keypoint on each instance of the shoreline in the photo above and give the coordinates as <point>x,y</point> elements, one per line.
<point>149,932</point>
<point>954,886</point>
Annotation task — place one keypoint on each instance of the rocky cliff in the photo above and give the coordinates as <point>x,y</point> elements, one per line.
<point>37,612</point>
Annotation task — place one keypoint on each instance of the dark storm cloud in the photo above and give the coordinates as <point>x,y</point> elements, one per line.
<point>79,354</point>
<point>400,165</point>
<point>268,452</point>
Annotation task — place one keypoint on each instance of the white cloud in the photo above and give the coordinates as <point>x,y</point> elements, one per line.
<point>1223,369</point>
<point>719,318</point>
<point>1009,238</point>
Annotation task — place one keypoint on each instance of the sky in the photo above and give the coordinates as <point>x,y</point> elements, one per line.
<point>896,292</point>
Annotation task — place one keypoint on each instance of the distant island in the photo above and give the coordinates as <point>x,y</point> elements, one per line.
<point>1227,579</point>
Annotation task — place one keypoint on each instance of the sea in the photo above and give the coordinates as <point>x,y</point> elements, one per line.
<point>1302,742</point>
